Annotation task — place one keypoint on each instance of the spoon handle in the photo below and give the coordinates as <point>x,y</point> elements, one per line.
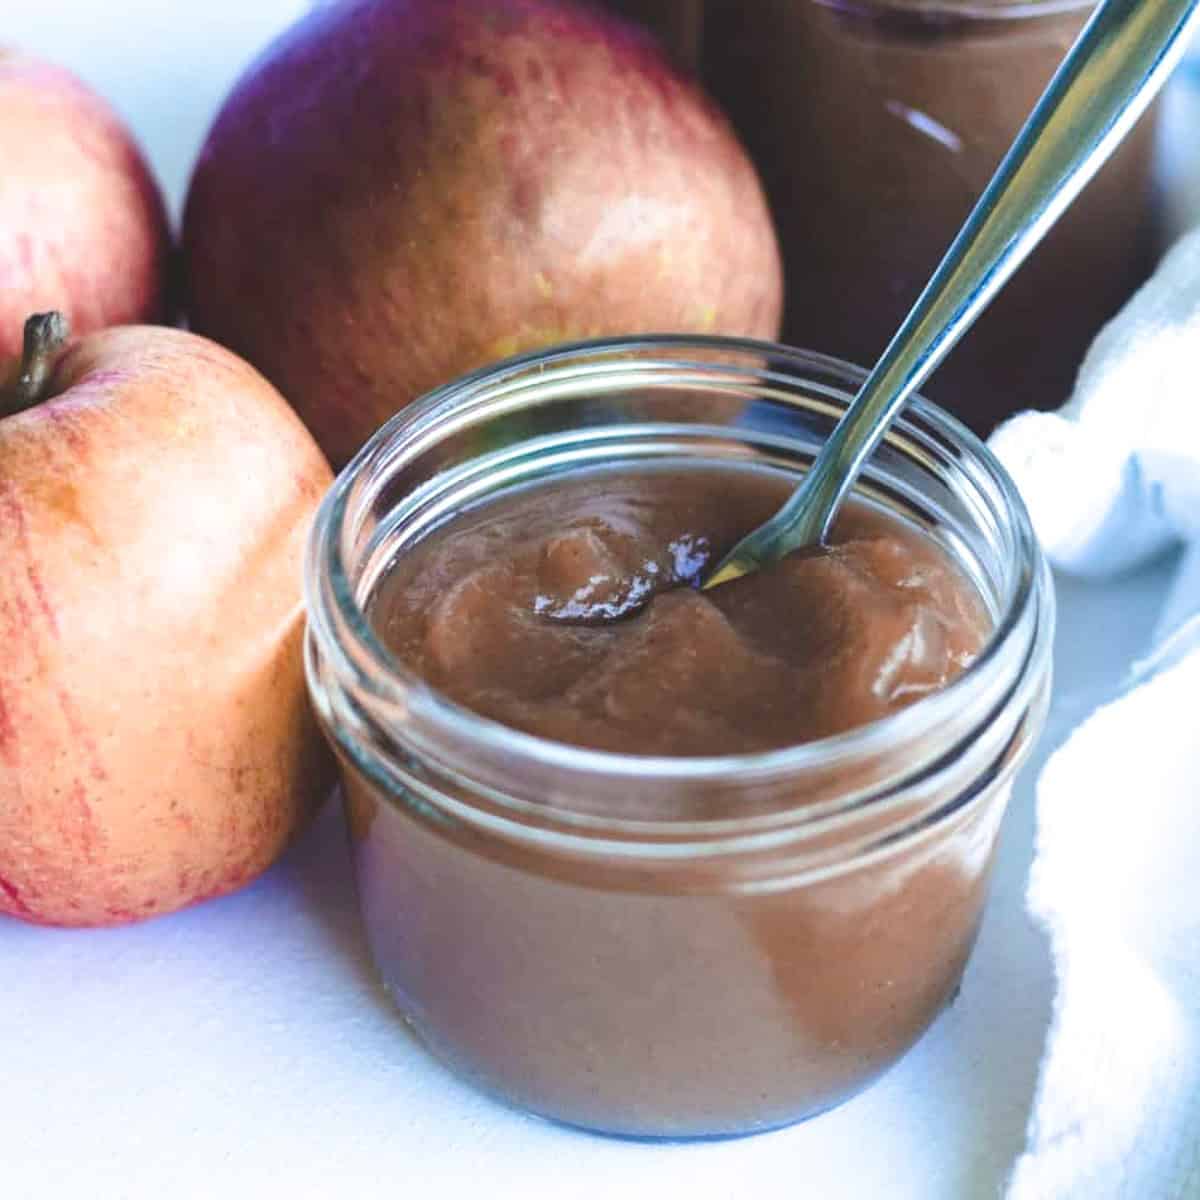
<point>1110,75</point>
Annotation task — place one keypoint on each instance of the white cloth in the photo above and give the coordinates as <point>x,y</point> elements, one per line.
<point>1111,480</point>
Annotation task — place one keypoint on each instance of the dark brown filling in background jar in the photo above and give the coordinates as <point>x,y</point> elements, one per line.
<point>876,125</point>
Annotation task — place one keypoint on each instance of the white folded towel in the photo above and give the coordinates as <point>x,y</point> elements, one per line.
<point>1112,480</point>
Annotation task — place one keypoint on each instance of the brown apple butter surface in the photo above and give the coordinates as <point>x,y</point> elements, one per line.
<point>570,610</point>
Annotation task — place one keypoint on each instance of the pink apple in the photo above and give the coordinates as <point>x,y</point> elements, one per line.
<point>156,745</point>
<point>82,228</point>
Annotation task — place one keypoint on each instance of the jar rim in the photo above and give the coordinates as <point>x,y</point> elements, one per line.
<point>334,608</point>
<point>965,10</point>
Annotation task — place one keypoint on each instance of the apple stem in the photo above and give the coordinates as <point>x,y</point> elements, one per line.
<point>45,334</point>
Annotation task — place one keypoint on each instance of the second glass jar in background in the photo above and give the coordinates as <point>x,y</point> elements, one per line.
<point>876,124</point>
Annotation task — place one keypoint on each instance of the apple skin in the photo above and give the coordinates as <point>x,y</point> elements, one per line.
<point>156,744</point>
<point>398,192</point>
<point>82,226</point>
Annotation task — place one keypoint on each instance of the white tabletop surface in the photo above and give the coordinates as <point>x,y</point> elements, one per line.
<point>244,1049</point>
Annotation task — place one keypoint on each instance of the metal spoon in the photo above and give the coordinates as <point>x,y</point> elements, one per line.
<point>1119,62</point>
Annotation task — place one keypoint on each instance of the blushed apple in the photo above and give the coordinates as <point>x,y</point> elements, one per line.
<point>156,745</point>
<point>82,227</point>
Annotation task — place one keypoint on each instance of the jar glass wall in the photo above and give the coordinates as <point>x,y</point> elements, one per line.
<point>655,946</point>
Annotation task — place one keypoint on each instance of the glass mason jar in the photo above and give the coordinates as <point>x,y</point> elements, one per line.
<point>669,947</point>
<point>876,124</point>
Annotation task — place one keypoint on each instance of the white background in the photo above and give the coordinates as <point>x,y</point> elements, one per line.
<point>244,1049</point>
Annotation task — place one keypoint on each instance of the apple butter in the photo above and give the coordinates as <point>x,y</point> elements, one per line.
<point>570,611</point>
<point>876,125</point>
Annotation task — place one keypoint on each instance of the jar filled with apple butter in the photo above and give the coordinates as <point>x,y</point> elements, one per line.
<point>623,859</point>
<point>876,125</point>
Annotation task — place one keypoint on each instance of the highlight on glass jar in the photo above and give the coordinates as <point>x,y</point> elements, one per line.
<point>644,859</point>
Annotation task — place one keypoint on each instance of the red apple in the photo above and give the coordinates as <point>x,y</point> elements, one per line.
<point>402,190</point>
<point>82,227</point>
<point>156,746</point>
